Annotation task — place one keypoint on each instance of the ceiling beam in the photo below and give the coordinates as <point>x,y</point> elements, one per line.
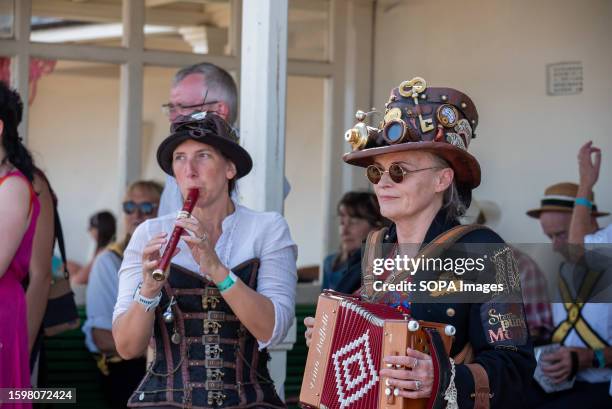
<point>105,12</point>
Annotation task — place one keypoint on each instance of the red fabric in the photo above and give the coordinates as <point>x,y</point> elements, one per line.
<point>535,290</point>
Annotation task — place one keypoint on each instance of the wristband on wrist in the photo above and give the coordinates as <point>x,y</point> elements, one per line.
<point>583,201</point>
<point>227,283</point>
<point>148,303</point>
<point>599,359</point>
<point>575,365</point>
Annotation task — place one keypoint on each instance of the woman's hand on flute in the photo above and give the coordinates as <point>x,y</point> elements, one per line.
<point>150,260</point>
<point>202,249</point>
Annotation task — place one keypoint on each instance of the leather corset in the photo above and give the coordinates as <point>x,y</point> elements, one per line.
<point>204,356</point>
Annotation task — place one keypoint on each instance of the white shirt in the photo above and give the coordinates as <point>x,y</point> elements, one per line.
<point>603,236</point>
<point>172,200</point>
<point>599,317</point>
<point>246,234</point>
<point>101,295</point>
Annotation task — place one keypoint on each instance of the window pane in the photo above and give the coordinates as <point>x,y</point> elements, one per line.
<point>303,166</point>
<point>308,30</point>
<point>7,18</point>
<point>80,22</point>
<point>73,134</point>
<point>200,27</point>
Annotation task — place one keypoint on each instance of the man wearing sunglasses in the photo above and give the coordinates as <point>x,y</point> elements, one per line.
<point>119,377</point>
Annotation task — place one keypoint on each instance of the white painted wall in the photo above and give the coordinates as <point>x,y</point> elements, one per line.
<point>303,166</point>
<point>496,51</point>
<point>73,132</point>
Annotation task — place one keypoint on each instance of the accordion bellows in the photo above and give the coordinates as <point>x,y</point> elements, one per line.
<point>351,337</point>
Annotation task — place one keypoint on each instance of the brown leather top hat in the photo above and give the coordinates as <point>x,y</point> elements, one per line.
<point>560,198</point>
<point>208,128</point>
<point>439,120</point>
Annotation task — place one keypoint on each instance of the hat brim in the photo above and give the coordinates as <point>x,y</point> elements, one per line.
<point>233,151</point>
<point>535,213</point>
<point>465,166</point>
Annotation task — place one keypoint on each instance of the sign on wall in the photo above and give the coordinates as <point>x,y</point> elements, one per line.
<point>564,78</point>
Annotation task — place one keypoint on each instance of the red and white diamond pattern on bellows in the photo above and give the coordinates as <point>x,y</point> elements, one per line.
<point>353,385</point>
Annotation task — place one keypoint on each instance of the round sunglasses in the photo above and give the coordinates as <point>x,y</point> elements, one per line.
<point>146,208</point>
<point>396,172</point>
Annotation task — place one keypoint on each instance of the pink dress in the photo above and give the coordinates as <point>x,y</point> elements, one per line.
<point>14,355</point>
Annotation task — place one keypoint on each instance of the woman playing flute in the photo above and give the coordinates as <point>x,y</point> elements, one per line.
<point>230,290</point>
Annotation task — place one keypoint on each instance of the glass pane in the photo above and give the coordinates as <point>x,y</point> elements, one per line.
<point>196,26</point>
<point>73,134</point>
<point>79,22</point>
<point>303,166</point>
<point>7,18</point>
<point>308,30</point>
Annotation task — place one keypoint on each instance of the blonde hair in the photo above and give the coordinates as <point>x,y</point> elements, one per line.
<point>149,186</point>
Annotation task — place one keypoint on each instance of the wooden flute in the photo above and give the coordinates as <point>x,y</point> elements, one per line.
<point>160,272</point>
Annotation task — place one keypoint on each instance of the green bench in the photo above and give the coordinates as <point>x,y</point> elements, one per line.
<point>296,358</point>
<point>70,365</point>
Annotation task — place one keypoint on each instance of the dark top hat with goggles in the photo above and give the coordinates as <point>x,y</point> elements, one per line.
<point>438,120</point>
<point>208,128</point>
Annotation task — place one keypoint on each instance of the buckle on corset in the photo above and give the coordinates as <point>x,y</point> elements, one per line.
<point>211,339</point>
<point>212,297</point>
<point>216,397</point>
<point>216,315</point>
<point>213,385</point>
<point>213,351</point>
<point>211,325</point>
<point>214,374</point>
<point>214,363</point>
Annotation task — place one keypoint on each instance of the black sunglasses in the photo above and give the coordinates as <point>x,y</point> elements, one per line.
<point>145,208</point>
<point>396,172</point>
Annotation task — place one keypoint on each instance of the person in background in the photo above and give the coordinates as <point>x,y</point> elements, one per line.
<point>102,228</point>
<point>534,285</point>
<point>582,327</point>
<point>19,210</point>
<point>119,377</point>
<point>359,214</point>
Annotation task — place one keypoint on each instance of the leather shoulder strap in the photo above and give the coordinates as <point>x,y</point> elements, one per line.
<point>450,237</point>
<point>438,246</point>
<point>372,250</point>
<point>482,392</point>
